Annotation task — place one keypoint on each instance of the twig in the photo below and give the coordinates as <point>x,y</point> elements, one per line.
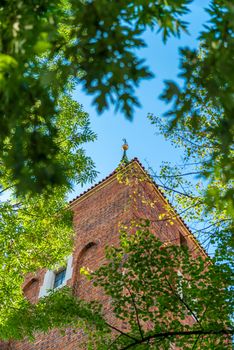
<point>178,175</point>
<point>137,315</point>
<point>196,341</point>
<point>183,302</point>
<point>121,332</point>
<point>114,341</point>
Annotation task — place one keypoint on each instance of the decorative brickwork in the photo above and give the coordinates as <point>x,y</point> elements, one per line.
<point>97,214</point>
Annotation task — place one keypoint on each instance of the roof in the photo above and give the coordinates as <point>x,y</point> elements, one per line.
<point>112,176</point>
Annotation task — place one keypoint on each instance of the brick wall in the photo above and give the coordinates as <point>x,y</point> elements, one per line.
<point>97,215</point>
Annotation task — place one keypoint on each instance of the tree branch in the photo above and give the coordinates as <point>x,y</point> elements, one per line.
<point>183,302</point>
<point>137,315</point>
<point>7,188</point>
<point>114,341</point>
<point>176,214</point>
<point>196,341</point>
<point>211,225</point>
<point>175,191</point>
<point>121,332</point>
<point>178,175</point>
<point>180,333</point>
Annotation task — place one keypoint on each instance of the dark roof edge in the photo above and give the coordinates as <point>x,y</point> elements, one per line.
<point>114,172</point>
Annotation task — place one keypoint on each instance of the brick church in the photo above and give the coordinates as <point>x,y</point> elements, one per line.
<point>97,214</point>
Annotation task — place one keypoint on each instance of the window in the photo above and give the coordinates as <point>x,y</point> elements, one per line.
<point>180,284</point>
<point>59,278</point>
<point>185,284</point>
<point>183,240</point>
<point>56,278</point>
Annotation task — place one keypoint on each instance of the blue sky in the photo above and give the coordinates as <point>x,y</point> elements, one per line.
<point>111,128</point>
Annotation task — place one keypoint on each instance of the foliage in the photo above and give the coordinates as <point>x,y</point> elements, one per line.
<point>58,309</point>
<point>166,297</point>
<point>197,186</point>
<point>209,81</point>
<point>46,44</point>
<point>146,289</point>
<point>36,231</point>
<point>45,47</point>
<point>200,122</point>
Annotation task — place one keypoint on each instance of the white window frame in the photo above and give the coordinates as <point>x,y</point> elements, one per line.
<point>179,288</point>
<point>48,283</point>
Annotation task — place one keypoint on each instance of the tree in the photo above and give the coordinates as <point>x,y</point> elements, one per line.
<point>36,231</point>
<point>146,290</point>
<point>162,307</point>
<point>209,83</point>
<point>47,47</point>
<point>46,44</point>
<point>198,186</point>
<point>167,297</point>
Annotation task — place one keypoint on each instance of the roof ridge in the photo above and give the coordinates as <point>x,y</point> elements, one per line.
<point>104,179</point>
<point>178,215</point>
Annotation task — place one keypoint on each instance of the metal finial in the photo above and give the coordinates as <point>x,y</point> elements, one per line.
<point>124,148</point>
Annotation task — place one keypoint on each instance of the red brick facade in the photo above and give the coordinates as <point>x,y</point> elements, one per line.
<point>97,214</point>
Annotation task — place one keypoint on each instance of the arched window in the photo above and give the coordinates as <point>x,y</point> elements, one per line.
<point>87,258</point>
<point>183,240</point>
<point>30,290</point>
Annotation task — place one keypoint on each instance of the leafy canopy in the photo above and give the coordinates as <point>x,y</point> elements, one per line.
<point>48,46</point>
<point>45,47</point>
<point>166,298</point>
<point>36,231</point>
<point>44,44</point>
<point>197,186</point>
<point>209,84</point>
